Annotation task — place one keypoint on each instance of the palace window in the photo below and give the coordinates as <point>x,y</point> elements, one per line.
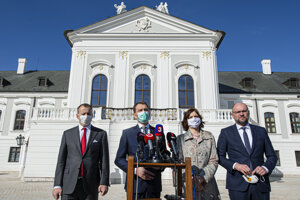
<point>295,122</point>
<point>142,89</point>
<point>20,120</point>
<point>297,155</point>
<point>247,82</point>
<point>99,91</point>
<point>186,91</point>
<point>292,83</point>
<point>278,156</point>
<point>270,122</point>
<point>14,154</point>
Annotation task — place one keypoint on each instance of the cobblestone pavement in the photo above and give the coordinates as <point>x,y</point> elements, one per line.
<point>13,189</point>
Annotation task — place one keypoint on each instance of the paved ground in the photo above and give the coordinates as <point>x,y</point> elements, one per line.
<point>13,189</point>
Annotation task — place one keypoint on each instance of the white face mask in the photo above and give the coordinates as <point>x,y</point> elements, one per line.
<point>194,122</point>
<point>85,120</point>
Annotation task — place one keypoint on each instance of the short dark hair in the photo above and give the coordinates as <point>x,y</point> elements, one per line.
<point>143,103</point>
<point>86,105</point>
<point>184,122</point>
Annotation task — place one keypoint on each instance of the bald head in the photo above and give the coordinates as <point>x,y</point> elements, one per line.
<point>240,114</point>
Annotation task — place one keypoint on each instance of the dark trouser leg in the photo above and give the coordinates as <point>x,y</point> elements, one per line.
<point>256,194</point>
<point>78,193</point>
<point>238,195</point>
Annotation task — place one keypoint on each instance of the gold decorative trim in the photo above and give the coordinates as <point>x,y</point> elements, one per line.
<point>165,54</point>
<point>123,54</point>
<point>206,54</point>
<point>80,53</point>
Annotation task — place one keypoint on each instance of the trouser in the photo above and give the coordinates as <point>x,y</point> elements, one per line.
<point>253,193</point>
<point>79,193</point>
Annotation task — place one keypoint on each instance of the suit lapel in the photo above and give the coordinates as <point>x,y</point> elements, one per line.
<point>93,134</point>
<point>254,137</point>
<point>77,139</point>
<point>238,140</point>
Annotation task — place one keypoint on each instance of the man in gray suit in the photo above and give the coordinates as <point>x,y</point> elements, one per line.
<point>83,161</point>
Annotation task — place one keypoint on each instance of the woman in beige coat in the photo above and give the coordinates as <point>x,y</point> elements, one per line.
<point>200,146</point>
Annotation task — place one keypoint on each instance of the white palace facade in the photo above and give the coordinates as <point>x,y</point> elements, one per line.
<point>140,55</point>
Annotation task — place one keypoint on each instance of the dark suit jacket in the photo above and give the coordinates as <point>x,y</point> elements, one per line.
<point>128,146</point>
<point>95,161</point>
<point>231,143</point>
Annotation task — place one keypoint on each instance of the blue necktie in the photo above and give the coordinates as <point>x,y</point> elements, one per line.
<point>246,140</point>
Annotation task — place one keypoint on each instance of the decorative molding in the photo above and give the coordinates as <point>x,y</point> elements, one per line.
<point>143,64</point>
<point>80,54</point>
<point>101,64</point>
<point>123,54</point>
<point>165,54</point>
<point>293,105</point>
<point>143,24</point>
<point>206,54</point>
<point>269,105</point>
<point>186,65</point>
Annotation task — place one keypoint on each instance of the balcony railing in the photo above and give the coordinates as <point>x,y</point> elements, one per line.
<point>121,114</point>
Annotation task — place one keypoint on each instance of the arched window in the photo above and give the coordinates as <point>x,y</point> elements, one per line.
<point>20,120</point>
<point>142,89</point>
<point>270,122</point>
<point>186,91</point>
<point>295,122</point>
<point>99,91</point>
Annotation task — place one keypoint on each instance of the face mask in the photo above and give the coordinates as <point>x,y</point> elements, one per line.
<point>194,122</point>
<point>143,117</point>
<point>85,119</point>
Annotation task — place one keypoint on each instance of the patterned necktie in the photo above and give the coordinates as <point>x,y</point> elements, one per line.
<point>144,129</point>
<point>83,147</point>
<point>246,140</point>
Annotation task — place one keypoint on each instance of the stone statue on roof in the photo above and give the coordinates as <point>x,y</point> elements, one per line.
<point>120,8</point>
<point>163,7</point>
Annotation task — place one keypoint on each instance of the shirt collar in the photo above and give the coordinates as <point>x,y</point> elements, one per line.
<point>239,126</point>
<point>87,127</point>
<point>140,125</point>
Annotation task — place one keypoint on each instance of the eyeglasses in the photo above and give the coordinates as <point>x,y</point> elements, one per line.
<point>241,111</point>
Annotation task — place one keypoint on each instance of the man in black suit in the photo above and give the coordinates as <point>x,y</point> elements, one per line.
<point>149,180</point>
<point>246,145</point>
<point>83,161</point>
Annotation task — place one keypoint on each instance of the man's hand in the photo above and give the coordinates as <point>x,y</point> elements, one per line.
<point>56,192</point>
<point>242,168</point>
<point>260,171</point>
<point>145,174</point>
<point>103,189</point>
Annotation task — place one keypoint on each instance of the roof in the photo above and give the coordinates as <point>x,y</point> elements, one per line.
<point>28,82</point>
<point>229,82</point>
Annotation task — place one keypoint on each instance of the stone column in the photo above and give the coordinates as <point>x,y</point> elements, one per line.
<point>163,90</point>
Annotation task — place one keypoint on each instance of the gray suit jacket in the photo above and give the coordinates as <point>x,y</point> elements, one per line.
<point>95,161</point>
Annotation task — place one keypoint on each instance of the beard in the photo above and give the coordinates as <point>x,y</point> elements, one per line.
<point>242,122</point>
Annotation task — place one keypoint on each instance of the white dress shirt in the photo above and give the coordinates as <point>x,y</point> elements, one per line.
<point>87,133</point>
<point>142,129</point>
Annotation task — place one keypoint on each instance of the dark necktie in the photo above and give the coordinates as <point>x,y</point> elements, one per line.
<point>83,147</point>
<point>144,128</point>
<point>246,140</point>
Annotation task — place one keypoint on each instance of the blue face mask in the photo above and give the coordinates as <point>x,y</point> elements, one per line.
<point>143,117</point>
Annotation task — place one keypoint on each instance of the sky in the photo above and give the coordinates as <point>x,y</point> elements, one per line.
<point>255,30</point>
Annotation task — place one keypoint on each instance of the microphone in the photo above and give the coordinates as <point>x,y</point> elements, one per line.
<point>149,138</point>
<point>159,134</point>
<point>141,142</point>
<point>171,137</point>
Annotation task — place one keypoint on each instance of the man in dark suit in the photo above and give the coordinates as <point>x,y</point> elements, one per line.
<point>246,146</point>
<point>83,161</point>
<point>149,180</point>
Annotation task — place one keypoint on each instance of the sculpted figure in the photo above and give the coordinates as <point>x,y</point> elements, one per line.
<point>120,8</point>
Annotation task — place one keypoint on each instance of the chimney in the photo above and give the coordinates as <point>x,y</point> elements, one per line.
<point>266,66</point>
<point>21,65</point>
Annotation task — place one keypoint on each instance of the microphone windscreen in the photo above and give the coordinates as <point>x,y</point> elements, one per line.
<point>149,136</point>
<point>140,137</point>
<point>159,129</point>
<point>171,136</point>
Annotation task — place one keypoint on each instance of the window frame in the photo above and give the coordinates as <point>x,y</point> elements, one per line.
<point>186,91</point>
<point>297,162</point>
<point>270,124</point>
<point>99,91</point>
<point>142,90</point>
<point>16,153</point>
<point>19,121</point>
<point>294,123</point>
